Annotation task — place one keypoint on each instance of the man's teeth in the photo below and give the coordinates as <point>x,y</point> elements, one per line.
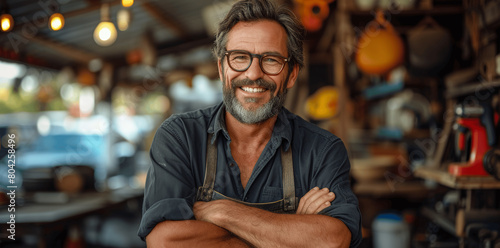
<point>253,90</point>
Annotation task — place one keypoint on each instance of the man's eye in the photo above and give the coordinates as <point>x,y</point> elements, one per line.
<point>240,57</point>
<point>271,60</point>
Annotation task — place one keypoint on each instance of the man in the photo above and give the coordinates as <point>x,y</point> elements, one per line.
<point>226,176</point>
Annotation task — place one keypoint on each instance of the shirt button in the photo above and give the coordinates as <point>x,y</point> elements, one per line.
<point>231,165</point>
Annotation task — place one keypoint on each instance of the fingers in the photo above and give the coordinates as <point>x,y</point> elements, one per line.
<point>304,199</point>
<point>312,202</point>
<point>315,200</point>
<point>322,203</point>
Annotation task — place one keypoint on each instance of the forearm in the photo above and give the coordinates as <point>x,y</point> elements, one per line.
<point>289,230</point>
<point>191,233</point>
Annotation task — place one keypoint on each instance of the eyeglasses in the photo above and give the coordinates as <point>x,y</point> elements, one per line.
<point>240,60</point>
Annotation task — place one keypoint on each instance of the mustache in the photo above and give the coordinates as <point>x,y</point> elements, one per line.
<point>259,82</point>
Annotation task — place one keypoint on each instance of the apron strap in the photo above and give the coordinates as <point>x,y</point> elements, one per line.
<point>205,192</point>
<point>288,180</point>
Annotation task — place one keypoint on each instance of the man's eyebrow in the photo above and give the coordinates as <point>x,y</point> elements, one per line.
<point>273,53</point>
<point>264,53</point>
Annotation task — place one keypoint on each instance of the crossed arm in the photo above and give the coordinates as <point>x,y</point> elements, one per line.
<point>225,223</point>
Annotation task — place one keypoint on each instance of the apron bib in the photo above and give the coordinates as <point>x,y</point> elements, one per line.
<point>287,205</point>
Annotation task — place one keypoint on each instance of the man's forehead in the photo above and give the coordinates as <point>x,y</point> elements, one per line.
<point>257,24</point>
<point>264,32</point>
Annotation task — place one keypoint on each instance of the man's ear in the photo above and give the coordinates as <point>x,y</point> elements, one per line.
<point>293,76</point>
<point>219,68</point>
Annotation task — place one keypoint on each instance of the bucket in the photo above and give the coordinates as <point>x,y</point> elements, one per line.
<point>390,231</point>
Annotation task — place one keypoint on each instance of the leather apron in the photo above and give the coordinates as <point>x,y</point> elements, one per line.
<point>289,202</point>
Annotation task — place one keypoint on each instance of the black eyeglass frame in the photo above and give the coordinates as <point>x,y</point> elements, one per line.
<point>260,57</point>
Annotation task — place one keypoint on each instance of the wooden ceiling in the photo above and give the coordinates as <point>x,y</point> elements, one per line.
<point>168,26</point>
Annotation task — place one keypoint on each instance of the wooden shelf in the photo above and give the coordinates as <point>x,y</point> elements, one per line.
<point>407,189</point>
<point>446,179</point>
<point>470,88</point>
<point>444,10</point>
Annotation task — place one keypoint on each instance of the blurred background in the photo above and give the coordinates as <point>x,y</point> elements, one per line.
<point>410,86</point>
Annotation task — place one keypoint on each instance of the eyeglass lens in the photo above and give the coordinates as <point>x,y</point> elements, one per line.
<point>241,61</point>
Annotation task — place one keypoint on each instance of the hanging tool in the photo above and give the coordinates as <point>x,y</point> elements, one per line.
<point>479,119</point>
<point>380,49</point>
<point>312,13</point>
<point>491,160</point>
<point>323,104</point>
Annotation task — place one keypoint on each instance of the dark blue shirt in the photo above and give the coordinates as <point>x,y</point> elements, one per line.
<point>178,168</point>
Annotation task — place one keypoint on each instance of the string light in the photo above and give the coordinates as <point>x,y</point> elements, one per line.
<point>6,22</point>
<point>124,17</point>
<point>127,3</point>
<point>105,33</point>
<point>56,21</point>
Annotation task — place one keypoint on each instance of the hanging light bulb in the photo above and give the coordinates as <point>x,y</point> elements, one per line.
<point>6,22</point>
<point>105,33</point>
<point>124,18</point>
<point>127,3</point>
<point>56,21</point>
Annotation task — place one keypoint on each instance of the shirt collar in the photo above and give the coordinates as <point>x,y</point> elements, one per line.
<point>282,129</point>
<point>218,123</point>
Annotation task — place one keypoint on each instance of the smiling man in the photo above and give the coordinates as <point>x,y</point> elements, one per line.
<point>247,172</point>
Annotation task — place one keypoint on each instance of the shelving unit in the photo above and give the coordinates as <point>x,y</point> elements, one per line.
<point>471,217</point>
<point>410,189</point>
<point>468,183</point>
<point>471,210</point>
<point>472,87</point>
<point>446,10</point>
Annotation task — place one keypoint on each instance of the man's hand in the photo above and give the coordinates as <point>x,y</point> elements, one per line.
<point>315,200</point>
<point>207,211</point>
<point>311,203</point>
<point>201,210</point>
<point>260,228</point>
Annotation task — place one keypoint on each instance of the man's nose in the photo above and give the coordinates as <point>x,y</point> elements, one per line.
<point>254,72</point>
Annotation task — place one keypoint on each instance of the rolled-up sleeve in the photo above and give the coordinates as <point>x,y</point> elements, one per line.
<point>170,189</point>
<point>333,172</point>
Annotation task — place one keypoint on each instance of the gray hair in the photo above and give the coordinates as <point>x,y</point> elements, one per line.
<point>255,10</point>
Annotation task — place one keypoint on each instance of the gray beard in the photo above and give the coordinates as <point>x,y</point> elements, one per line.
<point>252,116</point>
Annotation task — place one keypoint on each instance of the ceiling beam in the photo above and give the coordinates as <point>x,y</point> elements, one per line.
<point>163,19</point>
<point>184,45</point>
<point>73,53</point>
<point>70,52</point>
<point>93,6</point>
